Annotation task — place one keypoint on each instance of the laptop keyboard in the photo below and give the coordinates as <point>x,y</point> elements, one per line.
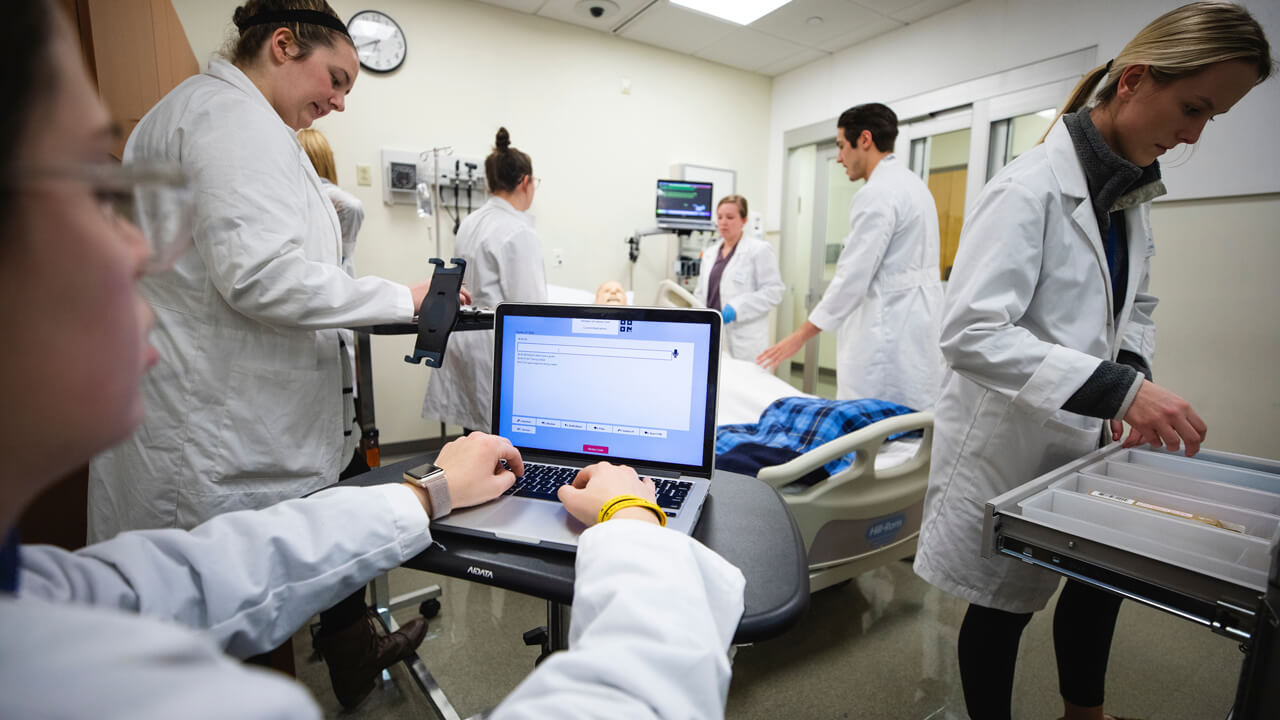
<point>540,482</point>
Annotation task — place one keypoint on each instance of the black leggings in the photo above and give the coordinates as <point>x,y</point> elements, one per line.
<point>1083,624</point>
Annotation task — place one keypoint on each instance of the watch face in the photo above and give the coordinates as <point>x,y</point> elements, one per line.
<point>379,40</point>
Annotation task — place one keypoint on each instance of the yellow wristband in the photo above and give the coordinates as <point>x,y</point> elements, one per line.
<point>606,510</point>
<point>609,509</point>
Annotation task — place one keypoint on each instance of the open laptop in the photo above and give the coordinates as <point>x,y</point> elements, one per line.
<point>577,384</point>
<point>684,205</point>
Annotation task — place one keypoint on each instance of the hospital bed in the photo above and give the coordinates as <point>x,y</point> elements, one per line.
<point>860,518</point>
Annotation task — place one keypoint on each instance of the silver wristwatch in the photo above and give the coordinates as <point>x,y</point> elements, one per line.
<point>431,479</point>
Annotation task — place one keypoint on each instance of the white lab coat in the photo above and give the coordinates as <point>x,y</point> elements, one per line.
<point>885,300</point>
<point>750,283</point>
<point>1028,319</point>
<point>137,627</point>
<point>504,264</point>
<point>350,217</point>
<point>245,407</point>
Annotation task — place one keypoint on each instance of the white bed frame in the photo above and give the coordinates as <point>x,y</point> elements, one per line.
<point>868,514</point>
<point>864,516</point>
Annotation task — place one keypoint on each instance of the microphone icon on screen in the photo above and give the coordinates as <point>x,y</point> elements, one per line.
<point>675,354</point>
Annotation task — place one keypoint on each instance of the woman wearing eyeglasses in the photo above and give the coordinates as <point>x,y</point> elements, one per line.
<point>151,623</point>
<point>504,264</point>
<point>246,405</point>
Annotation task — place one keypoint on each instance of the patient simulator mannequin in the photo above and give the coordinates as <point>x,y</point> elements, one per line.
<point>149,623</point>
<point>610,292</point>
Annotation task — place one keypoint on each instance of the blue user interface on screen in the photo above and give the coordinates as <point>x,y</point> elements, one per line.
<point>684,200</point>
<point>632,389</point>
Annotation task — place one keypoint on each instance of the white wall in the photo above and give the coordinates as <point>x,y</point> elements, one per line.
<point>1217,333</point>
<point>984,37</point>
<point>472,67</point>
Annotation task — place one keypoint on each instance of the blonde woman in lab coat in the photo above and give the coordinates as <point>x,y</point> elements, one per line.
<point>152,623</point>
<point>739,277</point>
<point>350,217</point>
<point>504,264</point>
<point>1049,335</point>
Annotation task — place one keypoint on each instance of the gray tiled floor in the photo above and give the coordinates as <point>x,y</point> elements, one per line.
<point>882,646</point>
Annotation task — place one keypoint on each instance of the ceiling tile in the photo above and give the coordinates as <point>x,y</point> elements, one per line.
<point>885,7</point>
<point>802,58</point>
<point>839,17</point>
<point>865,31</point>
<point>676,29</point>
<point>568,11</point>
<point>524,6</point>
<point>774,44</point>
<point>921,10</point>
<point>750,50</point>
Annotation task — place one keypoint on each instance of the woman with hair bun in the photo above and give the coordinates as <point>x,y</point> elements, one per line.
<point>246,406</point>
<point>1049,336</point>
<point>504,264</point>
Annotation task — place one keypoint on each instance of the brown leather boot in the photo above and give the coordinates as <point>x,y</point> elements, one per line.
<point>357,653</point>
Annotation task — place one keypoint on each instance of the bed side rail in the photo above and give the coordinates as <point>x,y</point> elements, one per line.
<point>671,294</point>
<point>866,443</point>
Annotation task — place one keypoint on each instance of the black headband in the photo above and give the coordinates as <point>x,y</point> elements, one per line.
<point>310,17</point>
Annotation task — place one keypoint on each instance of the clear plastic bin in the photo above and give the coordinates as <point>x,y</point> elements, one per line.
<point>1257,523</point>
<point>1232,489</point>
<point>1217,467</point>
<point>1226,555</point>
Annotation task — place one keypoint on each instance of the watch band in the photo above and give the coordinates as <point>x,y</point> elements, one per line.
<point>437,488</point>
<point>432,480</point>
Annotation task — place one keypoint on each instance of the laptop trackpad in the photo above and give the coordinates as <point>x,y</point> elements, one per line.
<point>533,521</point>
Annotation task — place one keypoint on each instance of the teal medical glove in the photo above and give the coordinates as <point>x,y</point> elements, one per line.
<point>728,313</point>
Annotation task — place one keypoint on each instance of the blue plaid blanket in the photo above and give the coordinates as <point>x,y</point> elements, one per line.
<point>792,426</point>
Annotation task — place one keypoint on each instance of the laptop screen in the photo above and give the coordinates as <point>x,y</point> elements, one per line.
<point>684,200</point>
<point>625,384</point>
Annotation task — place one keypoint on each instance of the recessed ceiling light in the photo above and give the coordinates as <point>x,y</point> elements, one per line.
<point>741,12</point>
<point>815,20</point>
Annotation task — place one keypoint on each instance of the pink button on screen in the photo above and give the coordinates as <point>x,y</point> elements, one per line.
<point>595,449</point>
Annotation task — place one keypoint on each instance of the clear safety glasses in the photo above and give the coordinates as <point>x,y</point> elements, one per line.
<point>154,198</point>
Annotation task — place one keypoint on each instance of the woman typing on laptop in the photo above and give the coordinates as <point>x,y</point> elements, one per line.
<point>146,621</point>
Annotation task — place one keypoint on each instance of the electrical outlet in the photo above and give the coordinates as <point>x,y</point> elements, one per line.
<point>364,175</point>
<point>557,257</point>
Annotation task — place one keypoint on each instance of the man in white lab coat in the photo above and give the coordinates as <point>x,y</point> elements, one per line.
<point>885,300</point>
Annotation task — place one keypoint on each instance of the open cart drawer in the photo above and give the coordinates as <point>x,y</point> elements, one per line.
<point>1191,536</point>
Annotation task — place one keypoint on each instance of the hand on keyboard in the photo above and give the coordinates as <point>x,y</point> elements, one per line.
<point>478,468</point>
<point>597,484</point>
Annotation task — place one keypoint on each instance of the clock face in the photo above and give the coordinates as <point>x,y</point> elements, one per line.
<point>379,40</point>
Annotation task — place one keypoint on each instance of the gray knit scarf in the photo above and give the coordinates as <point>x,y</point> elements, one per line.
<point>1114,183</point>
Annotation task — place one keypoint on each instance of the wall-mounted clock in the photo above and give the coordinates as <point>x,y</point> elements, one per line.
<point>379,40</point>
